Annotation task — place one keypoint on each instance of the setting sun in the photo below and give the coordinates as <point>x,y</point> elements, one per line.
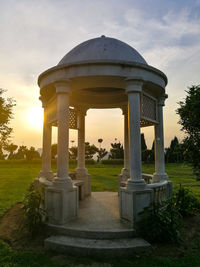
<point>34,117</point>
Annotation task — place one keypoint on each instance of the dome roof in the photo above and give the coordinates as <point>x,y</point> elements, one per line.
<point>102,49</point>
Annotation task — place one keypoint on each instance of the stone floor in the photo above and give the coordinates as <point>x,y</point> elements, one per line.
<point>97,231</point>
<point>99,212</point>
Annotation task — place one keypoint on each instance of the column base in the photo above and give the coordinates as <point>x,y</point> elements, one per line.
<point>136,184</point>
<point>133,202</point>
<point>61,205</point>
<point>47,175</point>
<point>125,174</point>
<point>159,177</point>
<point>64,183</point>
<point>81,171</point>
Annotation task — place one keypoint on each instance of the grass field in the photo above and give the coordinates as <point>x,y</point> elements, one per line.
<point>15,178</point>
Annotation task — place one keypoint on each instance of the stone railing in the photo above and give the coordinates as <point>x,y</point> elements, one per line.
<point>161,191</point>
<point>147,177</point>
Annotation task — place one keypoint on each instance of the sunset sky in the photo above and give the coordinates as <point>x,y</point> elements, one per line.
<point>35,35</point>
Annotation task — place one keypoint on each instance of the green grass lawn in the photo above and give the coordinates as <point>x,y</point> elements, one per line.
<point>15,178</point>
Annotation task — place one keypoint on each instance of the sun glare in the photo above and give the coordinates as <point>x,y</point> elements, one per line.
<point>35,117</point>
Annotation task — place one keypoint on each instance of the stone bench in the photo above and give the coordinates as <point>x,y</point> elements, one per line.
<point>79,184</point>
<point>145,176</point>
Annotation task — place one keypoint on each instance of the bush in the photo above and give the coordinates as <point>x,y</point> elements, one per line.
<point>161,222</point>
<point>90,162</point>
<point>112,161</point>
<point>34,213</point>
<point>186,203</point>
<point>73,162</point>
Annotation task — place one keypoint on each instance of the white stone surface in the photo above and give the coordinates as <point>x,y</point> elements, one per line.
<point>133,89</point>
<point>159,174</point>
<point>46,152</point>
<point>95,247</point>
<point>61,205</point>
<point>132,202</point>
<point>102,48</point>
<point>63,179</point>
<point>81,171</point>
<point>126,170</point>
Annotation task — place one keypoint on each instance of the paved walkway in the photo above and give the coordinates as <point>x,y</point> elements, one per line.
<point>99,212</point>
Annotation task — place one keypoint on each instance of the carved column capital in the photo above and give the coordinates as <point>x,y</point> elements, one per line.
<point>81,110</point>
<point>62,87</point>
<point>161,100</point>
<point>133,85</point>
<point>44,101</point>
<point>125,109</point>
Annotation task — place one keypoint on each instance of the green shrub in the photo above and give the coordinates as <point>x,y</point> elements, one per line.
<point>186,203</point>
<point>90,162</point>
<point>112,161</point>
<point>34,213</point>
<point>161,222</point>
<point>73,162</point>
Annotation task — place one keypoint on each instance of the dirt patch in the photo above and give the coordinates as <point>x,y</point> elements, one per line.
<point>11,223</point>
<point>13,230</point>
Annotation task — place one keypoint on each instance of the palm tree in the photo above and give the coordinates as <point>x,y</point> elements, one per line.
<point>100,141</point>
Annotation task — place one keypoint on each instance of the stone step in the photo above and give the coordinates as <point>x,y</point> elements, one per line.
<point>95,247</point>
<point>91,233</point>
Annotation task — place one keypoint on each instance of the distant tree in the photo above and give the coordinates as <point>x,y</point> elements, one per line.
<point>174,153</point>
<point>10,148</point>
<point>6,114</point>
<point>143,143</point>
<point>31,153</point>
<point>21,152</point>
<point>116,151</point>
<point>101,153</point>
<point>2,155</point>
<point>90,150</point>
<point>152,156</point>
<point>189,112</point>
<point>73,152</point>
<point>54,148</point>
<point>145,152</point>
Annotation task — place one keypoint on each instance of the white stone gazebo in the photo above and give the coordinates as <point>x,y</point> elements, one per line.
<point>102,73</point>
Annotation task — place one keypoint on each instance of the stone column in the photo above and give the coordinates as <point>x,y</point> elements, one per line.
<point>63,90</point>
<point>81,142</point>
<point>159,174</point>
<point>133,89</point>
<point>61,198</point>
<point>126,170</point>
<point>46,147</point>
<point>81,171</point>
<point>136,195</point>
